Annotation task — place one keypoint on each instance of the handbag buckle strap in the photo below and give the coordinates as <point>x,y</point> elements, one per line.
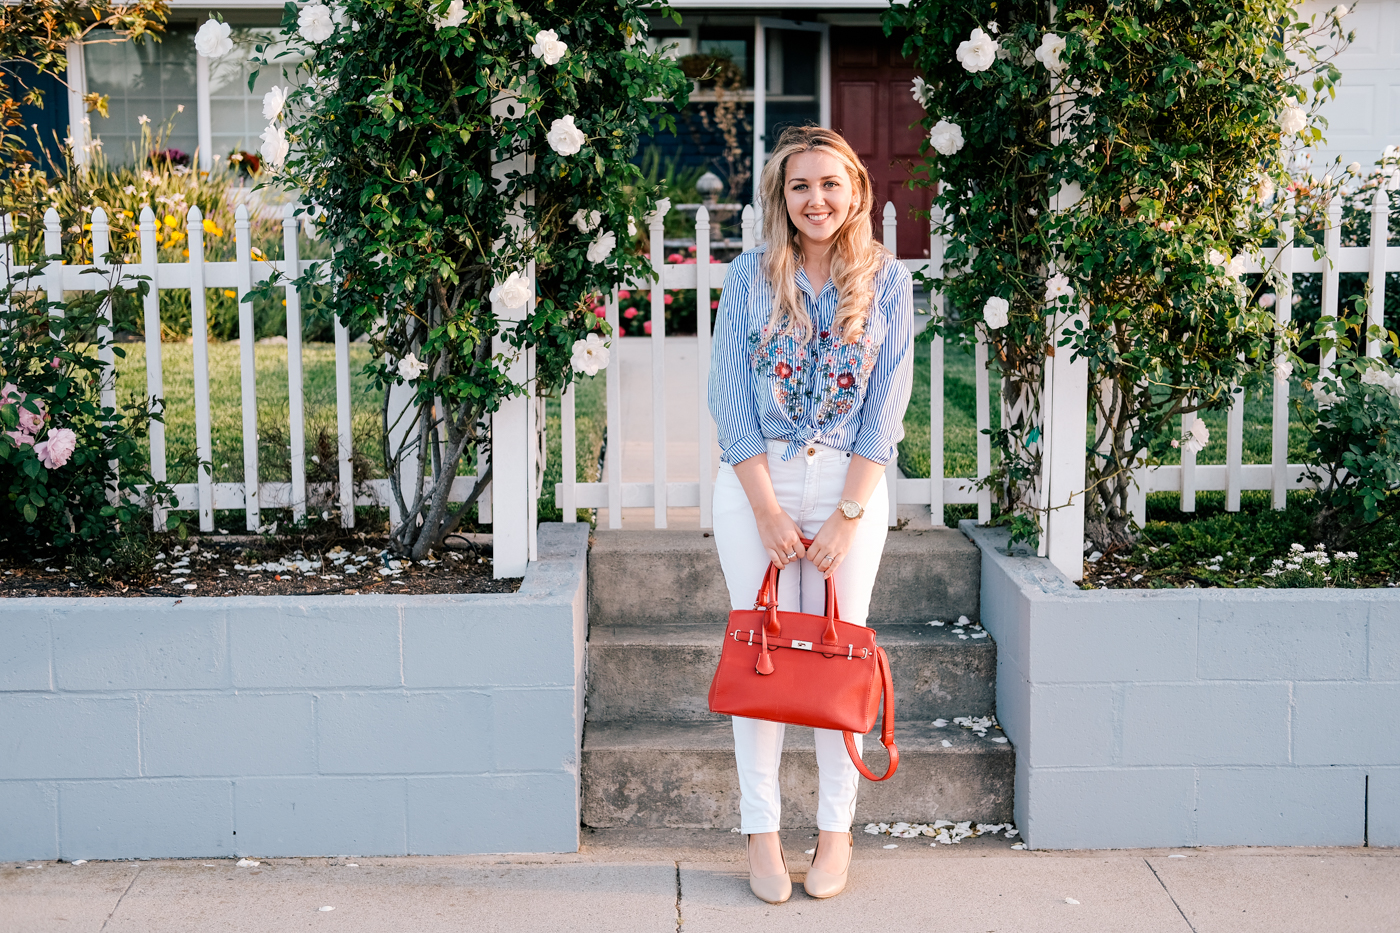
<point>851,653</point>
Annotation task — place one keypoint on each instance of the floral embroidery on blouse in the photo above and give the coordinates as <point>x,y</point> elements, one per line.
<point>826,372</point>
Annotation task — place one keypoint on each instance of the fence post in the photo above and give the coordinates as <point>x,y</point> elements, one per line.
<point>1283,313</point>
<point>345,449</point>
<point>155,378</point>
<point>1332,250</point>
<point>1375,293</point>
<point>1188,466</point>
<point>704,423</point>
<point>403,433</point>
<point>107,393</point>
<point>746,231</point>
<point>613,454</point>
<point>890,233</point>
<point>1234,450</point>
<point>658,371</point>
<point>53,252</point>
<point>199,323</point>
<point>935,378</point>
<point>512,474</point>
<point>982,386</point>
<point>248,369</point>
<point>291,266</point>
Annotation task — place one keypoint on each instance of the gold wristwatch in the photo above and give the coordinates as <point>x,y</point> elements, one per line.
<point>850,508</point>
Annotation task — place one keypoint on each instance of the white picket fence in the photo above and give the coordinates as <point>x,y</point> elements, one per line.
<point>251,495</point>
<point>1186,478</point>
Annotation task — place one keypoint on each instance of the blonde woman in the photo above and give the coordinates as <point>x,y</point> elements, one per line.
<point>811,373</point>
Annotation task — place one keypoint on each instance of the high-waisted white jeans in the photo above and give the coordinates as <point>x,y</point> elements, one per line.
<point>807,487</point>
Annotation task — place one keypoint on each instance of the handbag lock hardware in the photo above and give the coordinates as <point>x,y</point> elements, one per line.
<point>804,645</point>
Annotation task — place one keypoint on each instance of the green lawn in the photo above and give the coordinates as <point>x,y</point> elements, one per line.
<point>226,419</point>
<point>960,457</point>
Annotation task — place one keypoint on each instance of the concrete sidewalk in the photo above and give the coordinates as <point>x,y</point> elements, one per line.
<point>694,882</point>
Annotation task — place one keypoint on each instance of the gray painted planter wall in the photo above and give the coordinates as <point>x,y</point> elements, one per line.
<point>327,725</point>
<point>1194,717</point>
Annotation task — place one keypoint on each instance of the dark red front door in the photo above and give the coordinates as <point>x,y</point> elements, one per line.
<point>871,105</point>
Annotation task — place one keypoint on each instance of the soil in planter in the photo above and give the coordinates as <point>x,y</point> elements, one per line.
<point>249,565</point>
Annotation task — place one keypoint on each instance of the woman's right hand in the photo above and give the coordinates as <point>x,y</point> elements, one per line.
<point>780,536</point>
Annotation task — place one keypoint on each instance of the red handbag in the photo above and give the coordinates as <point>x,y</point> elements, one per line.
<point>806,670</point>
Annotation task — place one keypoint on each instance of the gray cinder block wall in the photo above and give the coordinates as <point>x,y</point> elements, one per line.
<point>331,725</point>
<point>1194,717</point>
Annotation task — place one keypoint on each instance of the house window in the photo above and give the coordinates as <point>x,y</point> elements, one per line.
<point>143,78</point>
<point>235,113</point>
<point>793,64</point>
<point>735,42</point>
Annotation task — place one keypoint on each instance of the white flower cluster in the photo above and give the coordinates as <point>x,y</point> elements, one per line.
<point>512,293</point>
<point>1315,563</point>
<point>1381,379</point>
<point>214,39</point>
<point>945,832</point>
<point>455,16</point>
<point>548,47</point>
<point>1057,286</point>
<point>1231,266</point>
<point>1195,440</point>
<point>922,92</point>
<point>1324,397</point>
<point>565,138</point>
<point>1292,119</point>
<point>1051,46</point>
<point>410,368</point>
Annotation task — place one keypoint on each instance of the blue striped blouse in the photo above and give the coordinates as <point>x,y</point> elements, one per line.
<point>850,397</point>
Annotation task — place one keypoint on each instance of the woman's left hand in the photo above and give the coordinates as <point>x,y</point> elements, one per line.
<point>833,541</point>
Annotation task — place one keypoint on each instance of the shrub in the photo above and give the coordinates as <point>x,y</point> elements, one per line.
<point>1353,424</point>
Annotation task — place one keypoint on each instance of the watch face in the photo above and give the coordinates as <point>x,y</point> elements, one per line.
<point>852,509</point>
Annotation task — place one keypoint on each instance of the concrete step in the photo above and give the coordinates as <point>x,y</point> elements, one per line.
<point>663,576</point>
<point>681,774</point>
<point>663,671</point>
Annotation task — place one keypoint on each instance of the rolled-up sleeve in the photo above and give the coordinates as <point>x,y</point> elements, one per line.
<point>731,378</point>
<point>892,379</point>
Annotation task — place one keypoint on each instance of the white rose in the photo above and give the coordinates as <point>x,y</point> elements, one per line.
<point>1323,397</point>
<point>921,92</point>
<point>410,367</point>
<point>456,15</point>
<point>1394,183</point>
<point>1235,267</point>
<point>1266,189</point>
<point>513,293</point>
<point>273,102</point>
<point>1283,367</point>
<point>548,47</point>
<point>1340,10</point>
<point>275,146</point>
<point>1267,300</point>
<point>994,312</point>
<point>662,207</point>
<point>1197,438</point>
<point>602,247</point>
<point>565,138</point>
<point>1354,168</point>
<point>1057,286</point>
<point>314,23</point>
<point>1292,119</point>
<point>590,355</point>
<point>946,137</point>
<point>1048,54</point>
<point>586,221</point>
<point>631,227</point>
<point>978,52</point>
<point>212,40</point>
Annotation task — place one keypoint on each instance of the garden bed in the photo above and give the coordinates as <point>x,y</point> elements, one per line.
<point>1190,716</point>
<point>332,562</point>
<point>1257,546</point>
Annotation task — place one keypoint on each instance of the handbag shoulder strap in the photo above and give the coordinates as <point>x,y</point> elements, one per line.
<point>886,727</point>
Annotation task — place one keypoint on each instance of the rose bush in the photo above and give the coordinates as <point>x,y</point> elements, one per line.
<point>1115,169</point>
<point>443,149</point>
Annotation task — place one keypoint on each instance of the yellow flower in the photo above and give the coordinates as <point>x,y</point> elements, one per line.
<point>187,254</point>
<point>171,220</point>
<point>211,227</point>
<point>176,236</point>
<point>258,254</point>
<point>230,293</point>
<point>160,237</point>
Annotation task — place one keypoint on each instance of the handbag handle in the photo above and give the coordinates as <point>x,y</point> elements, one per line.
<point>886,727</point>
<point>768,599</point>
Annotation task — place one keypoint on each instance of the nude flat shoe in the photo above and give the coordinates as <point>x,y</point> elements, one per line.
<point>775,889</point>
<point>821,884</point>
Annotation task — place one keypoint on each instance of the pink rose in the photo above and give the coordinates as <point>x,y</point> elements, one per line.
<point>20,438</point>
<point>31,422</point>
<point>55,451</point>
<point>646,327</point>
<point>10,394</point>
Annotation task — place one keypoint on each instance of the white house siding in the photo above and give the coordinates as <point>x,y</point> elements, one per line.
<point>1365,116</point>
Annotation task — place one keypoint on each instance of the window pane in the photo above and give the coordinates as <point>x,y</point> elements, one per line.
<point>144,78</point>
<point>235,113</point>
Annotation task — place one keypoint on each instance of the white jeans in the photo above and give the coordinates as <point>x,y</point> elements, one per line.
<point>807,487</point>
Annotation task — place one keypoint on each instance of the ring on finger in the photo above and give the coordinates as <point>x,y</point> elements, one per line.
<point>790,555</point>
<point>826,559</point>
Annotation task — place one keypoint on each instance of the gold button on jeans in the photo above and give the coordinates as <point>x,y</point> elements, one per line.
<point>811,451</point>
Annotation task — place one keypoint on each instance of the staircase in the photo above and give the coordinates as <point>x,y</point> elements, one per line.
<point>655,756</point>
